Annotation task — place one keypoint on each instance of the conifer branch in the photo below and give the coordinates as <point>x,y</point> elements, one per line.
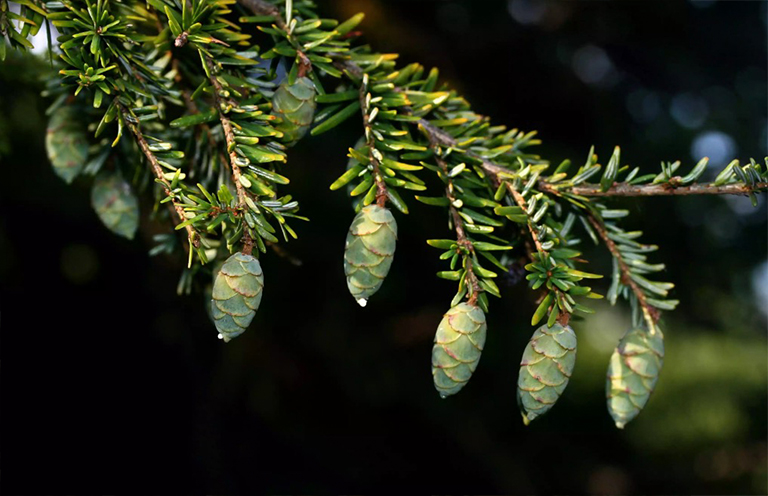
<point>626,277</point>
<point>524,205</point>
<point>666,189</point>
<point>229,136</point>
<point>458,226</point>
<point>178,209</point>
<point>370,140</point>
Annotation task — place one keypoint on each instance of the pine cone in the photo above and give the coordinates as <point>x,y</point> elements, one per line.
<point>66,143</point>
<point>459,342</point>
<point>295,104</point>
<point>632,373</point>
<point>116,205</point>
<point>237,292</point>
<point>369,250</point>
<point>547,364</point>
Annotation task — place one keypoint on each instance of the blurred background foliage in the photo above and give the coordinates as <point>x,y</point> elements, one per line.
<point>113,383</point>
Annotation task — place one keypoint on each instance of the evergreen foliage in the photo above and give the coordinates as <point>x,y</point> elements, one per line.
<point>196,102</point>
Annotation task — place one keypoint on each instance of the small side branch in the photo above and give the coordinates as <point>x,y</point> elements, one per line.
<point>370,140</point>
<point>178,209</point>
<point>458,226</point>
<point>229,136</point>
<point>524,205</point>
<point>626,279</point>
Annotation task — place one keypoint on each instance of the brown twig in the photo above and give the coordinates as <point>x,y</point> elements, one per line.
<point>458,226</point>
<point>625,189</point>
<point>626,278</point>
<point>370,141</point>
<point>229,136</point>
<point>524,206</point>
<point>178,209</point>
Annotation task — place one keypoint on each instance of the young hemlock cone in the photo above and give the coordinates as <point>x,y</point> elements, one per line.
<point>459,342</point>
<point>632,373</point>
<point>66,143</point>
<point>116,205</point>
<point>545,369</point>
<point>295,105</point>
<point>369,250</point>
<point>236,295</point>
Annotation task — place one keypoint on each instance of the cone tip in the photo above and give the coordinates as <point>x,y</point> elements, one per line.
<point>362,302</point>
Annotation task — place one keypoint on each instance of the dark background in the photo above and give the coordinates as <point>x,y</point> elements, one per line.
<point>113,384</point>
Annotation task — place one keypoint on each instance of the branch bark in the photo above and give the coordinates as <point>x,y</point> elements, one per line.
<point>626,279</point>
<point>178,209</point>
<point>458,226</point>
<point>624,189</point>
<point>381,187</point>
<point>229,136</point>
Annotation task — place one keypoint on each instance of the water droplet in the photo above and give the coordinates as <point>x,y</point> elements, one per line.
<point>362,302</point>
<point>220,336</point>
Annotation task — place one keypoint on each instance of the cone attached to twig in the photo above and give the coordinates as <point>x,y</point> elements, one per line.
<point>545,369</point>
<point>459,342</point>
<point>295,105</point>
<point>66,143</point>
<point>236,295</point>
<point>369,250</point>
<point>633,372</point>
<point>115,203</point>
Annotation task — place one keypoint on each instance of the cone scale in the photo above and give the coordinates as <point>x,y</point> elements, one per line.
<point>115,204</point>
<point>632,373</point>
<point>545,369</point>
<point>369,250</point>
<point>459,342</point>
<point>66,144</point>
<point>236,295</point>
<point>295,105</point>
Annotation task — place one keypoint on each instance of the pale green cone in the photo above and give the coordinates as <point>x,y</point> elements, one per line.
<point>295,105</point>
<point>459,342</point>
<point>116,205</point>
<point>66,143</point>
<point>369,250</point>
<point>545,369</point>
<point>237,291</point>
<point>632,373</point>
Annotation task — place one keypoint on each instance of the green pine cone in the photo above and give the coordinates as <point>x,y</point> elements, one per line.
<point>545,369</point>
<point>369,250</point>
<point>116,205</point>
<point>632,373</point>
<point>459,342</point>
<point>295,105</point>
<point>236,295</point>
<point>66,143</point>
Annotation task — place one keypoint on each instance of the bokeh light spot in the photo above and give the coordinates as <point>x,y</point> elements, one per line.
<point>688,110</point>
<point>716,145</point>
<point>527,11</point>
<point>593,66</point>
<point>79,263</point>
